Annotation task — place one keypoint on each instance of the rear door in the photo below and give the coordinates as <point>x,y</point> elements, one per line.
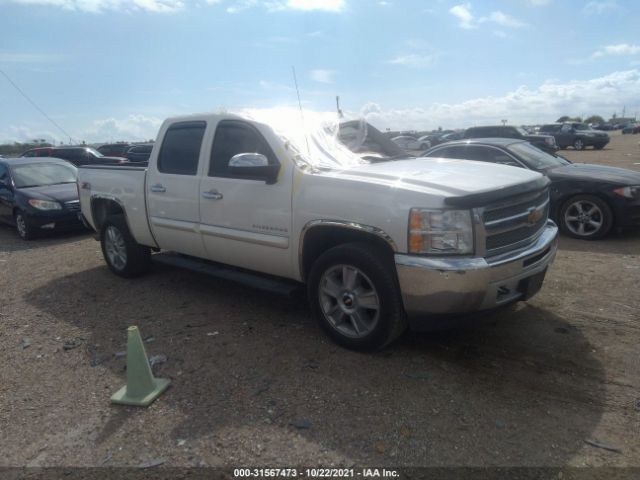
<point>172,189</point>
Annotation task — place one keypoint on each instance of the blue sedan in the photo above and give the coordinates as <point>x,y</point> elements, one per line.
<point>39,195</point>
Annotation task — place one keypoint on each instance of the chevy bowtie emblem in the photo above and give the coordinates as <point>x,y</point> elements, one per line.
<point>535,214</point>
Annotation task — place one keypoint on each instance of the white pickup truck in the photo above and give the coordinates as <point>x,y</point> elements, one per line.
<point>380,244</point>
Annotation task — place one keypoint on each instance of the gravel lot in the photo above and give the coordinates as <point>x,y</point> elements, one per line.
<point>255,383</point>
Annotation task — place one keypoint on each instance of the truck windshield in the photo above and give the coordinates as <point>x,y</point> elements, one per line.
<point>323,140</point>
<point>41,174</point>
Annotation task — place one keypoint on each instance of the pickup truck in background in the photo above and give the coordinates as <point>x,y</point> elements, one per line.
<point>380,245</point>
<point>576,135</point>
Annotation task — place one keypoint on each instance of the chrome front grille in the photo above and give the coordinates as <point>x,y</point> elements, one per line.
<point>515,223</point>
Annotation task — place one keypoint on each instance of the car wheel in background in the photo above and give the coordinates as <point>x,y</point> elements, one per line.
<point>124,256</point>
<point>598,147</point>
<point>578,144</point>
<point>586,217</point>
<point>25,231</point>
<point>355,297</point>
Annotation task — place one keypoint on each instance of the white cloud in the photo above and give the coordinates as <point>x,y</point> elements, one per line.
<point>322,76</point>
<point>463,13</point>
<point>602,95</point>
<point>503,20</point>
<point>467,21</point>
<point>133,127</point>
<point>414,60</point>
<point>599,7</point>
<point>98,6</point>
<point>325,5</point>
<point>618,49</point>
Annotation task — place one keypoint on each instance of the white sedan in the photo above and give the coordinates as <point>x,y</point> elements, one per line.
<point>408,142</point>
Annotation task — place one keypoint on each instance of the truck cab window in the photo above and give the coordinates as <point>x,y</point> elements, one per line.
<point>233,137</point>
<point>181,148</point>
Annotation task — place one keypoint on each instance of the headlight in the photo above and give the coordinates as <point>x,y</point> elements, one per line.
<point>44,204</point>
<point>628,192</point>
<point>440,231</point>
<point>551,141</point>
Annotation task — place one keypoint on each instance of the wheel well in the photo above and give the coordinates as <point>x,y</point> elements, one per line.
<point>319,239</point>
<point>101,208</point>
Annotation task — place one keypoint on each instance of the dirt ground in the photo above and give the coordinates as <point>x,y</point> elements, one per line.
<point>255,383</point>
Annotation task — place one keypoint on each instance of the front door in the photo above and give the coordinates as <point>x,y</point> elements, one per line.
<point>173,189</point>
<point>245,222</point>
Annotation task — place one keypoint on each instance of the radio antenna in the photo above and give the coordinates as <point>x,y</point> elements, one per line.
<point>295,81</point>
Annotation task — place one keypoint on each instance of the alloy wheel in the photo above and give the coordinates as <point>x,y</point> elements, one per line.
<point>349,301</point>
<point>115,248</point>
<point>583,218</point>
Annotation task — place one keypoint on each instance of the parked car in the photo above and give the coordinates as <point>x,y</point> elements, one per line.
<point>378,244</point>
<point>543,142</point>
<point>587,201</point>
<point>410,143</point>
<point>38,152</point>
<point>576,135</point>
<point>114,149</point>
<point>76,155</point>
<point>139,153</point>
<point>38,195</point>
<point>631,128</point>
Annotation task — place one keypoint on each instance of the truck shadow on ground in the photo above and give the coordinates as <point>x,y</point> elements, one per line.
<point>253,378</point>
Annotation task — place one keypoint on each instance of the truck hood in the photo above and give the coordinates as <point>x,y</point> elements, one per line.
<point>446,177</point>
<point>601,173</point>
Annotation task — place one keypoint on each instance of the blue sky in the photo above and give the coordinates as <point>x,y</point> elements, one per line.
<point>112,69</point>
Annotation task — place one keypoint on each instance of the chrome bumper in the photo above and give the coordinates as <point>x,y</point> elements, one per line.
<point>432,285</point>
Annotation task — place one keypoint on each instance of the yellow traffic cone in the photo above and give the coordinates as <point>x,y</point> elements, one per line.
<point>142,387</point>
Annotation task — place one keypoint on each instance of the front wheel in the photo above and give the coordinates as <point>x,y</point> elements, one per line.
<point>124,256</point>
<point>578,144</point>
<point>355,297</point>
<point>586,217</point>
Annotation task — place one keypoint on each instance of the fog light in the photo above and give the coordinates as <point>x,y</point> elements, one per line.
<point>48,226</point>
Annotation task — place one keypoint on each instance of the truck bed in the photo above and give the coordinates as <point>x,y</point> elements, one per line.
<point>123,184</point>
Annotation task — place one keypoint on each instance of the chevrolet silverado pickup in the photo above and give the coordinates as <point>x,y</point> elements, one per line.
<point>380,245</point>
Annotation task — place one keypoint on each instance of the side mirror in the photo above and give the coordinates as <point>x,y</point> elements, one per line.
<point>254,166</point>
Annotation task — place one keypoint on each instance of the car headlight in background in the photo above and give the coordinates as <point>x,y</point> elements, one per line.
<point>551,141</point>
<point>632,192</point>
<point>440,231</point>
<point>44,204</point>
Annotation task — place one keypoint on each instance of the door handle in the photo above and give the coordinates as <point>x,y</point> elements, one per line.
<point>212,195</point>
<point>158,188</point>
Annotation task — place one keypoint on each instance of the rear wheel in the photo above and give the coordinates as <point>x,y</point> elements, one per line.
<point>355,297</point>
<point>124,256</point>
<point>586,217</point>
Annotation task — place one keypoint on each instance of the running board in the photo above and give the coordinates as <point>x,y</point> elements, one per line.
<point>254,280</point>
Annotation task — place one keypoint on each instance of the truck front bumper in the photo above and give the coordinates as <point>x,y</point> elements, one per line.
<point>442,285</point>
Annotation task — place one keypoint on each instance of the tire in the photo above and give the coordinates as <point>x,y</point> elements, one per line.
<point>341,281</point>
<point>580,214</point>
<point>578,144</point>
<point>598,147</point>
<point>24,230</point>
<point>424,146</point>
<point>124,256</point>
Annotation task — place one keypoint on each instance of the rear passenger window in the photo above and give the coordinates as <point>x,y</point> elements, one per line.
<point>451,152</point>
<point>181,148</point>
<point>233,137</point>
